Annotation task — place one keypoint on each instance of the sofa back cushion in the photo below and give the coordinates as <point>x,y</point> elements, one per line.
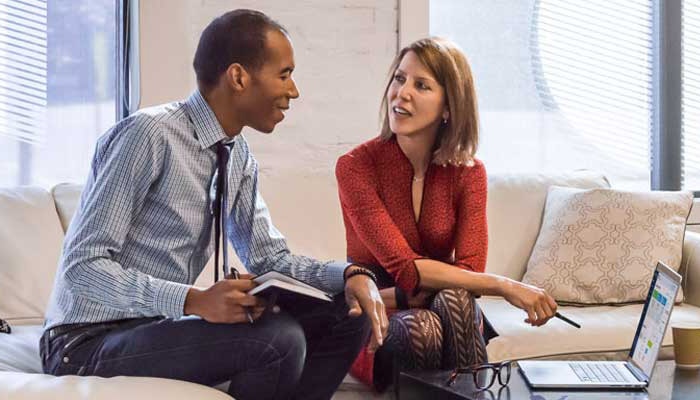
<point>30,246</point>
<point>514,211</point>
<point>601,245</point>
<point>67,197</point>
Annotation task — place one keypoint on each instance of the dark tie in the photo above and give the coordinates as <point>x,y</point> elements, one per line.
<point>219,206</point>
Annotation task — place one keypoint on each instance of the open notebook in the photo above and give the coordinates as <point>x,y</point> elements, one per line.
<point>273,280</point>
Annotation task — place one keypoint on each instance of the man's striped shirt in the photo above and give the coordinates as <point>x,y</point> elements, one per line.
<point>143,230</point>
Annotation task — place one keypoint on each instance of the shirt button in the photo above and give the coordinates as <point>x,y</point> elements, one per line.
<point>65,360</point>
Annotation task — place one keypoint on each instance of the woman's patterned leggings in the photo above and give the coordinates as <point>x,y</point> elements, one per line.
<point>445,336</point>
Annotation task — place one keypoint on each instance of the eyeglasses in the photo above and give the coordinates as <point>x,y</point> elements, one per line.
<point>484,374</point>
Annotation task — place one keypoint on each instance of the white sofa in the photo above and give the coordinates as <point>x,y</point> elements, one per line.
<point>33,222</point>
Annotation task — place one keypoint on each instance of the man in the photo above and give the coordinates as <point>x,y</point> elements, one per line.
<point>142,235</point>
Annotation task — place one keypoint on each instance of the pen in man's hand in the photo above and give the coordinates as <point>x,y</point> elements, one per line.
<point>568,321</point>
<point>234,274</point>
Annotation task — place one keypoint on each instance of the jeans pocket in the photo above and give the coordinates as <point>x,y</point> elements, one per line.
<point>74,353</point>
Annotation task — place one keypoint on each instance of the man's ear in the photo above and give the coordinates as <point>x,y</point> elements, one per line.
<point>237,77</point>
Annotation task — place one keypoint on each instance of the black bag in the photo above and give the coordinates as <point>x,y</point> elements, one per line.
<point>5,327</point>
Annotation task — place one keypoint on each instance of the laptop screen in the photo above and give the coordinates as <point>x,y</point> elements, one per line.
<point>653,322</point>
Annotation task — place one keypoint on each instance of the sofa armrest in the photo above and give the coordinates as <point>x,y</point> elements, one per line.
<point>690,268</point>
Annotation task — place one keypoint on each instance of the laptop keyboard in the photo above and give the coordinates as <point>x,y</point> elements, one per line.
<point>589,372</point>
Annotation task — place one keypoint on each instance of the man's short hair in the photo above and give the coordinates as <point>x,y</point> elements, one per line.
<point>235,37</point>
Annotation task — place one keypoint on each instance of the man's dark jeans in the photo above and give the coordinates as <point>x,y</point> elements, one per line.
<point>303,352</point>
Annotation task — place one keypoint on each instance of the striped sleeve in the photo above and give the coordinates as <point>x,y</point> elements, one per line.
<point>127,162</point>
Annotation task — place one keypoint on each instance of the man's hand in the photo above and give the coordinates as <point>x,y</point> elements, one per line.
<point>362,295</point>
<point>225,302</point>
<point>538,304</point>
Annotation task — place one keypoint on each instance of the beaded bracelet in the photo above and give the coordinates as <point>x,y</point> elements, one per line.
<point>362,271</point>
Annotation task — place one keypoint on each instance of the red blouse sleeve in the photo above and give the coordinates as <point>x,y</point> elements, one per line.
<point>471,243</point>
<point>372,223</point>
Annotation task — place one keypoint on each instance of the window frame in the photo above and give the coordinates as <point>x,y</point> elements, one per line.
<point>666,152</point>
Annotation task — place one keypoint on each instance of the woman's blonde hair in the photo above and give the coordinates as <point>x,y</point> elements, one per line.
<point>458,139</point>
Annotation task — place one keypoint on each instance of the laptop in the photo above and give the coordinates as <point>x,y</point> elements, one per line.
<point>633,373</point>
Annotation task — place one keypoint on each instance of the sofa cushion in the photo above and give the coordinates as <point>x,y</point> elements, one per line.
<point>67,197</point>
<point>601,245</point>
<point>603,329</point>
<point>514,211</point>
<point>19,351</point>
<point>30,245</point>
<point>24,386</point>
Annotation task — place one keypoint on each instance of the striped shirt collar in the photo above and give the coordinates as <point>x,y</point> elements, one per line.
<point>206,126</point>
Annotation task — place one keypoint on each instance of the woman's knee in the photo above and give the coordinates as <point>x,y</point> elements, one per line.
<point>453,296</point>
<point>456,309</point>
<point>415,337</point>
<point>459,314</point>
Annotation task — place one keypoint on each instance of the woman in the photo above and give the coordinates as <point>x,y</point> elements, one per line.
<point>414,207</point>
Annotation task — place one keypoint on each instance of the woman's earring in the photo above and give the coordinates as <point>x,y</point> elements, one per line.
<point>444,121</point>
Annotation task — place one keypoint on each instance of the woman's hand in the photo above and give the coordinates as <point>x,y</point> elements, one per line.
<point>536,302</point>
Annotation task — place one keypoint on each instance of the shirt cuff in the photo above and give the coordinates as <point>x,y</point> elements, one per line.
<point>170,297</point>
<point>335,276</point>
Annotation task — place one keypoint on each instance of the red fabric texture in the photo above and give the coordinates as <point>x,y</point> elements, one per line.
<point>375,186</point>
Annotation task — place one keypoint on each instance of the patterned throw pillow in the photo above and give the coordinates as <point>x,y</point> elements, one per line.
<point>600,246</point>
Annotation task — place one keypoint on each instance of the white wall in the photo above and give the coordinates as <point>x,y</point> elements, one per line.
<point>343,49</point>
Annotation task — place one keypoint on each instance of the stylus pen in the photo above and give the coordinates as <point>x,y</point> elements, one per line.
<point>568,321</point>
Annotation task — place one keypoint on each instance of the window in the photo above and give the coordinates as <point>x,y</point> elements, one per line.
<point>691,94</point>
<point>57,87</point>
<point>592,66</point>
<point>566,84</point>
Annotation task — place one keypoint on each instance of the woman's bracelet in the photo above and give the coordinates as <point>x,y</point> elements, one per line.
<point>362,271</point>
